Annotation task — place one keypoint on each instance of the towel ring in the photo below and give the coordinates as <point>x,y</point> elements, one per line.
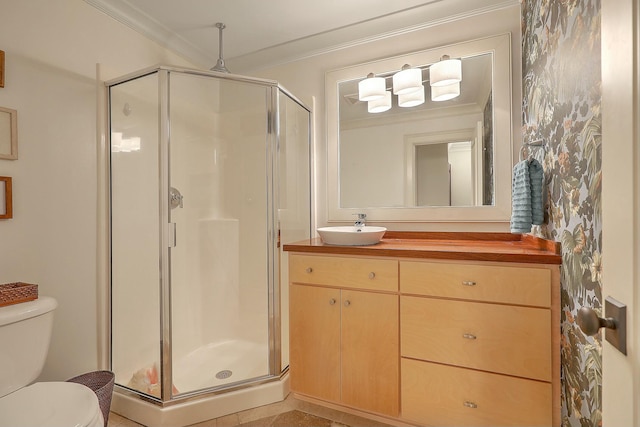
<point>538,143</point>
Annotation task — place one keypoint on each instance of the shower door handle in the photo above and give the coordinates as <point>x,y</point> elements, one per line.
<point>171,235</point>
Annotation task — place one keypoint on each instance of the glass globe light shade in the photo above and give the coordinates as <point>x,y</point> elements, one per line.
<point>406,81</point>
<point>412,99</point>
<point>371,88</point>
<point>445,93</point>
<point>381,104</point>
<point>445,72</point>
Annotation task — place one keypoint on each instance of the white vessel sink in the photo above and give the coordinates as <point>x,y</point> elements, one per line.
<point>351,235</point>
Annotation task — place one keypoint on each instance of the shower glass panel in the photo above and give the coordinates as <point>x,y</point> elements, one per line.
<point>209,174</point>
<point>219,162</point>
<point>294,168</point>
<point>135,237</point>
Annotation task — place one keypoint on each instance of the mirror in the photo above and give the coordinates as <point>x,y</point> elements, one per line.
<point>439,161</point>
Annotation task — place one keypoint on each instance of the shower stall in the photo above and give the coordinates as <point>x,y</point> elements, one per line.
<point>209,172</point>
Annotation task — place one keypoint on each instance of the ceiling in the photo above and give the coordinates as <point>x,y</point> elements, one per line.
<point>262,33</point>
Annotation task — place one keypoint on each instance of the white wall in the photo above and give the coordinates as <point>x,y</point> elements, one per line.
<point>305,78</point>
<point>52,48</point>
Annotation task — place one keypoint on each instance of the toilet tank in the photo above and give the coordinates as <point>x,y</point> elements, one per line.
<point>25,331</point>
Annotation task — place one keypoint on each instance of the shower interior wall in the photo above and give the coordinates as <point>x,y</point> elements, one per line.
<point>214,300</point>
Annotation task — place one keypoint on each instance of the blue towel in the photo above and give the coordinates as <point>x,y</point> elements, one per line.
<point>527,196</point>
<point>536,177</point>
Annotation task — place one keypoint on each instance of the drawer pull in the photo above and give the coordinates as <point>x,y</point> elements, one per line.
<point>470,404</point>
<point>309,270</point>
<point>347,303</point>
<point>372,275</point>
<point>469,283</point>
<point>332,301</point>
<point>469,336</point>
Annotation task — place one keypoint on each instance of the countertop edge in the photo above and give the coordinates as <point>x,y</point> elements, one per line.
<point>507,247</point>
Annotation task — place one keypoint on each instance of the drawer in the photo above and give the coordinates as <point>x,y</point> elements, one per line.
<point>503,284</point>
<point>443,395</point>
<point>491,337</point>
<point>357,273</point>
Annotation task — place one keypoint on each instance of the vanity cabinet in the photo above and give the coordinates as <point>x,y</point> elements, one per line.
<point>429,329</point>
<point>477,343</point>
<point>344,335</point>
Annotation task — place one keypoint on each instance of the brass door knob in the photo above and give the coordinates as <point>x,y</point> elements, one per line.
<point>615,324</point>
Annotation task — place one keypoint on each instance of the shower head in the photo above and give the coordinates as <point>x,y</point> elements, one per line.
<point>220,64</point>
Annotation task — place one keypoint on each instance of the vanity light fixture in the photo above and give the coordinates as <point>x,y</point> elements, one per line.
<point>371,88</point>
<point>445,93</point>
<point>445,72</point>
<point>381,104</point>
<point>407,80</point>
<point>411,99</point>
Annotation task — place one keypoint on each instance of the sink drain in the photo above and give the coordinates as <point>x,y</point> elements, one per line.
<point>224,374</point>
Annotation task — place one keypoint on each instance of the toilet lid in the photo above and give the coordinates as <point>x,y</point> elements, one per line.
<point>51,404</point>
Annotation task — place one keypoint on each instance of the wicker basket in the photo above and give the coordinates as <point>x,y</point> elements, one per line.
<point>101,382</point>
<point>14,293</point>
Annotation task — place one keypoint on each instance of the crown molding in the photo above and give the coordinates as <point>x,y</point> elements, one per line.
<point>430,14</point>
<point>404,22</point>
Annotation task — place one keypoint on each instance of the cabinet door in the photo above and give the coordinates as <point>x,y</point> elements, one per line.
<point>314,360</point>
<point>370,362</point>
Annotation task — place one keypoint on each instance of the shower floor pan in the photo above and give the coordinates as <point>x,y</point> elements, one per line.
<point>217,364</point>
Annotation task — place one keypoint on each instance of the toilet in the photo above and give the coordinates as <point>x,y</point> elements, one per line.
<point>25,331</point>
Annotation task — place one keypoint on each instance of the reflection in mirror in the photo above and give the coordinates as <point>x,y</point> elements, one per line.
<point>379,164</point>
<point>439,152</point>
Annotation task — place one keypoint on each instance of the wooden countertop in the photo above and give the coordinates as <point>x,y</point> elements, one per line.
<point>501,247</point>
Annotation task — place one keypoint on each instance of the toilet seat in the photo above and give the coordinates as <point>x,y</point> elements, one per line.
<point>51,404</point>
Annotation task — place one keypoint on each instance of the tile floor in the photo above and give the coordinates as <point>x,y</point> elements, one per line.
<point>291,412</point>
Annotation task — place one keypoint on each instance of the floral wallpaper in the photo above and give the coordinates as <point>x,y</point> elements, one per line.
<point>561,105</point>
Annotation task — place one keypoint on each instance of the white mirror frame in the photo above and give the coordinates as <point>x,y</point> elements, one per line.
<point>500,47</point>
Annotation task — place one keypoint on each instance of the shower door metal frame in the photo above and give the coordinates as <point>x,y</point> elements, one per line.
<point>164,136</point>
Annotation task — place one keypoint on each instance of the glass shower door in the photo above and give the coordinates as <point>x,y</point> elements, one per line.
<point>135,238</point>
<point>221,227</point>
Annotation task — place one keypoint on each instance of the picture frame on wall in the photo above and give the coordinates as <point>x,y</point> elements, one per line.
<point>8,134</point>
<point>6,198</point>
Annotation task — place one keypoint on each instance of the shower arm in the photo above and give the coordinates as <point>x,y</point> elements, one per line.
<point>220,64</point>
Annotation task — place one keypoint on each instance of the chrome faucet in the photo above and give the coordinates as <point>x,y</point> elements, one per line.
<point>361,219</point>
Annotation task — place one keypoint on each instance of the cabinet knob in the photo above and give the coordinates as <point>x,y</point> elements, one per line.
<point>347,303</point>
<point>332,301</point>
<point>469,404</point>
<point>309,270</point>
<point>469,336</point>
<point>469,283</point>
<point>372,275</point>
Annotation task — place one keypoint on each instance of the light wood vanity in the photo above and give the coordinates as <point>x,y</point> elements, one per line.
<point>429,328</point>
